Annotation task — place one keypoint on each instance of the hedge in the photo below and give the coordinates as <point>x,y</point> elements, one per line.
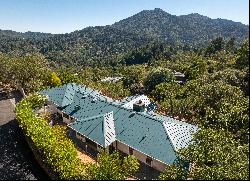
<point>58,151</point>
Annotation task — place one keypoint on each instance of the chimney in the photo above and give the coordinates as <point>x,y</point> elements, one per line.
<point>139,106</point>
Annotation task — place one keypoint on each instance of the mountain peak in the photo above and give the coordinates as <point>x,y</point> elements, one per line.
<point>195,16</point>
<point>158,9</point>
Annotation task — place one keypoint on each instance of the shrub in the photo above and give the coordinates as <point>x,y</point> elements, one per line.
<point>58,151</point>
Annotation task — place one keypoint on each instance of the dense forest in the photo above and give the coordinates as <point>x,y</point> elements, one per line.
<point>146,49</point>
<point>103,45</point>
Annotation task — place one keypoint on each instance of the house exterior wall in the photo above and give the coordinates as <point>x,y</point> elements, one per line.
<point>80,137</point>
<point>52,108</point>
<point>140,156</point>
<point>158,165</point>
<point>122,147</point>
<point>65,120</point>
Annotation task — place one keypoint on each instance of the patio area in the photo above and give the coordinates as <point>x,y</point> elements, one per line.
<point>84,157</point>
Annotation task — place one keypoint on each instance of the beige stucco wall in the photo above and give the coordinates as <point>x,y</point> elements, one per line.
<point>141,156</point>
<point>66,120</point>
<point>158,165</point>
<point>52,108</point>
<point>122,147</point>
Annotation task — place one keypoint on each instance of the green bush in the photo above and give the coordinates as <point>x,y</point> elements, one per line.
<point>112,167</point>
<point>58,151</point>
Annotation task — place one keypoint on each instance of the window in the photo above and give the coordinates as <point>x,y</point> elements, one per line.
<point>130,151</point>
<point>80,137</point>
<point>148,160</point>
<point>90,142</point>
<point>66,116</point>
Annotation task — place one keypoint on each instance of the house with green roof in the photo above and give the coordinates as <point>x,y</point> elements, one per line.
<point>97,121</point>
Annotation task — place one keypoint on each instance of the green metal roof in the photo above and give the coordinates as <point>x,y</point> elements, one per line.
<point>63,95</point>
<point>98,128</point>
<point>56,94</point>
<point>150,133</point>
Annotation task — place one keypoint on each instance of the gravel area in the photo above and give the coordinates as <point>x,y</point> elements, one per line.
<point>16,160</point>
<point>84,157</point>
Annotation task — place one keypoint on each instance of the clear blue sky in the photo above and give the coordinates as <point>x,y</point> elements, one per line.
<point>63,16</point>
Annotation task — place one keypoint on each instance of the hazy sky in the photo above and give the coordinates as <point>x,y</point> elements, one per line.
<point>64,16</point>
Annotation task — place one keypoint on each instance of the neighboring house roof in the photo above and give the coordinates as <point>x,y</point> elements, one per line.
<point>155,135</point>
<point>179,74</point>
<point>111,79</point>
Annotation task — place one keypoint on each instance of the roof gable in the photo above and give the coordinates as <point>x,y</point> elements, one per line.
<point>98,128</point>
<point>180,134</point>
<point>68,94</point>
<point>56,94</point>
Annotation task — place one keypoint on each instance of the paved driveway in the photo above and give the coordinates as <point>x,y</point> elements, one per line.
<point>6,111</point>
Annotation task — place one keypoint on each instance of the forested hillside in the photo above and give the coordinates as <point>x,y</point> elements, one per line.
<point>109,44</point>
<point>194,29</point>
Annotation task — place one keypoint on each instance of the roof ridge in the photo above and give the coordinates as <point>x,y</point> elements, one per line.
<point>130,110</point>
<point>146,115</point>
<point>97,116</point>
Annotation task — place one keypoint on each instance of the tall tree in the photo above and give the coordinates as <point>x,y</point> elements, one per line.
<point>216,155</point>
<point>242,60</point>
<point>156,77</point>
<point>214,46</point>
<point>27,72</point>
